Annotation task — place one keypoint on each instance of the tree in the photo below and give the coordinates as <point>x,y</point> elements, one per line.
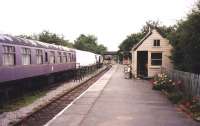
<point>49,37</point>
<point>186,42</point>
<point>101,49</point>
<point>130,41</point>
<point>89,43</point>
<point>86,43</point>
<point>53,38</point>
<point>83,42</point>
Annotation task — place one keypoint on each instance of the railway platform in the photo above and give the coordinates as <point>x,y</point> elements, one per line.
<point>116,101</point>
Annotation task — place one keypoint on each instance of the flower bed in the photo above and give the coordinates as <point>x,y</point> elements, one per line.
<point>174,92</point>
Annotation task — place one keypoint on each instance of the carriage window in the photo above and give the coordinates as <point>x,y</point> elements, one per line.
<point>26,56</point>
<point>72,57</point>
<point>8,55</point>
<point>59,57</point>
<point>46,57</point>
<point>39,56</point>
<point>156,59</point>
<point>156,42</point>
<point>65,57</point>
<point>52,57</point>
<point>69,57</point>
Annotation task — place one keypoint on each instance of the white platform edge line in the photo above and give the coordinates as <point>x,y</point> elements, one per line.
<point>61,112</point>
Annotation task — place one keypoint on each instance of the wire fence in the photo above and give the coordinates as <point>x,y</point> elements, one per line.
<point>190,81</point>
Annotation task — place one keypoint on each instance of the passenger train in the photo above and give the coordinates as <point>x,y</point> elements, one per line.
<point>22,58</point>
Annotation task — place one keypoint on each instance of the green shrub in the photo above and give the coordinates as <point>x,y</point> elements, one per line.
<point>195,108</point>
<point>175,97</point>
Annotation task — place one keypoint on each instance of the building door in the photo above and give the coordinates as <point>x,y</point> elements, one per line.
<point>142,64</point>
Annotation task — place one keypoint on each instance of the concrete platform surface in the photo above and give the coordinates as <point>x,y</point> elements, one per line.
<point>115,101</point>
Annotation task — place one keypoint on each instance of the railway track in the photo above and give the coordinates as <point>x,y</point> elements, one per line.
<point>43,115</point>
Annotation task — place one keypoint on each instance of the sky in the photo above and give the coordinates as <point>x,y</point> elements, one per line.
<point>109,20</point>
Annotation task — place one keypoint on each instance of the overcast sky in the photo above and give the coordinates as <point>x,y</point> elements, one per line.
<point>109,20</point>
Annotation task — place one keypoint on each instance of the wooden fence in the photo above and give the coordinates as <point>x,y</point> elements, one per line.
<point>190,81</point>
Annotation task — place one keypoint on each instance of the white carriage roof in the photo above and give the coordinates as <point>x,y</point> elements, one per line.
<point>85,58</point>
<point>4,38</point>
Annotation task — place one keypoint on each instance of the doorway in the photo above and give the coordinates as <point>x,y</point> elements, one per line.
<point>142,64</point>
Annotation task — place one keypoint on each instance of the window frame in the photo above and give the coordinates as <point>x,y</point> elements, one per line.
<point>156,59</point>
<point>8,52</point>
<point>39,54</point>
<point>156,43</point>
<point>59,58</point>
<point>69,57</point>
<point>65,57</point>
<point>27,52</point>
<point>50,56</point>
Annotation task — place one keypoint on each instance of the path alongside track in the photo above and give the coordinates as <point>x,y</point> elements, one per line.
<point>115,101</point>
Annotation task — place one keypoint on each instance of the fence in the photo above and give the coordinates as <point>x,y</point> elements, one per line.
<point>190,81</point>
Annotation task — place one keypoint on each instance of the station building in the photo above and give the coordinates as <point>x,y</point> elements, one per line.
<point>150,54</point>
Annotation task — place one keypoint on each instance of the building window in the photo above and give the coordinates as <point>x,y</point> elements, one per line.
<point>156,42</point>
<point>52,57</point>
<point>8,55</point>
<point>64,60</point>
<point>39,56</point>
<point>26,56</point>
<point>156,59</point>
<point>59,57</point>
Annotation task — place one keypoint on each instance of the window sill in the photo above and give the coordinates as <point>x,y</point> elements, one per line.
<point>156,46</point>
<point>155,67</point>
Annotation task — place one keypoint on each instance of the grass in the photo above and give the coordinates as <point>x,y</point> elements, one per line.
<point>22,101</point>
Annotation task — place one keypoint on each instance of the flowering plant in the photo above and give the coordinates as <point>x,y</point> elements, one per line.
<point>162,82</point>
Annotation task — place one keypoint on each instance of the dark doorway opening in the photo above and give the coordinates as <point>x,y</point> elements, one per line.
<point>142,64</point>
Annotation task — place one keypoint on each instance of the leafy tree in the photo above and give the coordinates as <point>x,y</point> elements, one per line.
<point>53,38</point>
<point>49,37</point>
<point>86,43</point>
<point>186,42</point>
<point>162,29</point>
<point>32,37</point>
<point>83,42</point>
<point>89,43</point>
<point>130,41</point>
<point>101,49</point>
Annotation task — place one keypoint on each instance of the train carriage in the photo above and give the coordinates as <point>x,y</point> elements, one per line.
<point>22,58</point>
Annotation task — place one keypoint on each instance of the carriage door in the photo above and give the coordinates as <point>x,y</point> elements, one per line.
<point>142,64</point>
